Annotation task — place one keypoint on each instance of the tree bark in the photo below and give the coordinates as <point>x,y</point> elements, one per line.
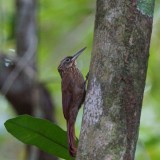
<point>26,35</point>
<point>117,76</point>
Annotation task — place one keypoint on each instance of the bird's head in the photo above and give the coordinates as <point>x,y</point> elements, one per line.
<point>69,61</point>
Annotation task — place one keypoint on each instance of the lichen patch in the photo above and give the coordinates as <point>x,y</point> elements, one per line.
<point>93,103</point>
<point>145,7</point>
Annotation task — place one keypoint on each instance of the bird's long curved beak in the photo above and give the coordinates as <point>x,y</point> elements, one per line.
<point>75,56</point>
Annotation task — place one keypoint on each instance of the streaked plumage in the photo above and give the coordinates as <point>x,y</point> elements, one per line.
<point>73,94</point>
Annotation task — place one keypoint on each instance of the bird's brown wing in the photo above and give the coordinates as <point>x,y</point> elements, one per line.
<point>66,96</point>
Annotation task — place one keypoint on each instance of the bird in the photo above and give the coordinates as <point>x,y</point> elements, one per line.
<point>73,95</point>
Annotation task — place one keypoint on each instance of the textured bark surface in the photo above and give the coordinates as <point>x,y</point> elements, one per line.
<point>116,82</point>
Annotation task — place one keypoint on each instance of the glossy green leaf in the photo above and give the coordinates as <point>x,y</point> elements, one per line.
<point>41,133</point>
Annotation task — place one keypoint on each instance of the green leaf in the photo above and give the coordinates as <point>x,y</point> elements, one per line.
<point>41,133</point>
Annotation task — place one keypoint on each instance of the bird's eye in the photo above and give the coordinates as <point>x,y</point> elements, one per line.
<point>67,60</point>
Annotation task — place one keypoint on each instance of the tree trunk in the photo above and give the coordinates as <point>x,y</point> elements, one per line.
<point>117,76</point>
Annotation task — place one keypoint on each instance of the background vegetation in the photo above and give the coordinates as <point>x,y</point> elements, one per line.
<point>63,28</point>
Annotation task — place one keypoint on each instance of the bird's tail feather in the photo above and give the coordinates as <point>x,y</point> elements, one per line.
<point>71,139</point>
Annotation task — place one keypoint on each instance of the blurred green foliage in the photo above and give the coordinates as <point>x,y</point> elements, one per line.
<point>64,27</point>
